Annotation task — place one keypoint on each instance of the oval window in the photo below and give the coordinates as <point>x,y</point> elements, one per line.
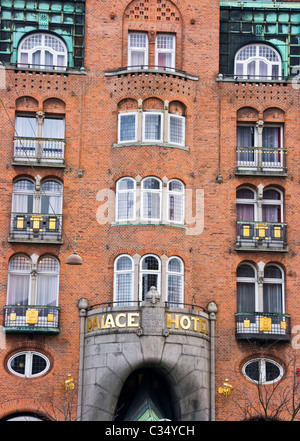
<point>263,371</point>
<point>28,364</point>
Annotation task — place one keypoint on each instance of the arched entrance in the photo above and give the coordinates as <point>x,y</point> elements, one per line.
<point>145,396</point>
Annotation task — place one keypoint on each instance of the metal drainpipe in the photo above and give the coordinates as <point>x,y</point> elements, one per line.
<point>212,309</point>
<point>82,306</point>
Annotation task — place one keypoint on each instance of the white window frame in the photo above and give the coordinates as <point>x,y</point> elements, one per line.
<point>24,193</point>
<point>262,370</point>
<point>140,49</point>
<point>167,51</point>
<point>179,117</point>
<point>275,281</point>
<point>28,364</point>
<point>117,272</point>
<point>257,58</point>
<point>143,272</point>
<point>245,201</point>
<point>145,114</point>
<point>153,191</point>
<point>178,274</point>
<point>42,48</point>
<point>128,191</point>
<point>120,116</point>
<point>52,193</point>
<point>277,202</point>
<point>254,280</point>
<point>181,195</point>
<point>52,274</point>
<point>20,272</point>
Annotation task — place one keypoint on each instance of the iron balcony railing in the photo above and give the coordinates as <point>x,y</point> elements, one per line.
<point>39,149</point>
<point>261,234</point>
<point>31,318</point>
<point>32,226</point>
<point>261,159</point>
<point>262,326</point>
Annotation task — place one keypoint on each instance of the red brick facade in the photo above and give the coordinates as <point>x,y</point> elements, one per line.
<point>91,100</point>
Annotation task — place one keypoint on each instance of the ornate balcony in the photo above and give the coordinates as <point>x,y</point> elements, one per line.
<point>261,161</point>
<point>261,236</point>
<point>29,319</point>
<point>262,326</point>
<point>42,151</point>
<point>35,227</point>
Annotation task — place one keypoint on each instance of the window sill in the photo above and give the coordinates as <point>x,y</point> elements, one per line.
<point>158,223</point>
<point>35,240</point>
<point>158,144</point>
<point>39,163</point>
<point>259,80</point>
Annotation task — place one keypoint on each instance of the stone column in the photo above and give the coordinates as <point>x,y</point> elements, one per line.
<point>212,310</point>
<point>82,306</point>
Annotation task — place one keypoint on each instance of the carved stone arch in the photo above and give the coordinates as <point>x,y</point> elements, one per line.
<point>152,17</point>
<point>247,114</point>
<point>274,114</point>
<point>27,104</point>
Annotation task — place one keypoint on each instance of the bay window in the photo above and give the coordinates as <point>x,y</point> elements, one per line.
<point>151,199</point>
<point>124,279</point>
<point>150,275</point>
<point>152,127</point>
<point>175,282</point>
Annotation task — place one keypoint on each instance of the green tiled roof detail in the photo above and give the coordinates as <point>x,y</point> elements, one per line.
<point>248,22</point>
<point>65,19</point>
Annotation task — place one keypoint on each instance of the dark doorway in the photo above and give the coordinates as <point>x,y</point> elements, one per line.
<point>145,397</point>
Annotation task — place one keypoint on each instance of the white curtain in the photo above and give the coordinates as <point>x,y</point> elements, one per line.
<point>54,128</point>
<point>26,126</point>
<point>47,290</point>
<point>18,293</point>
<point>272,298</point>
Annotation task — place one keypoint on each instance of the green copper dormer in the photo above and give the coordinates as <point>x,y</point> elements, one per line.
<point>276,24</point>
<point>62,21</point>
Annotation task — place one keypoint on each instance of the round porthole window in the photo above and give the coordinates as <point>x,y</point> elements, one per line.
<point>28,364</point>
<point>263,371</point>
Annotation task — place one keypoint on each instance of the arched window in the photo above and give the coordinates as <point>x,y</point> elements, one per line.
<point>151,199</point>
<point>51,197</point>
<point>19,280</point>
<point>33,284</point>
<point>150,274</point>
<point>125,202</point>
<point>42,50</point>
<point>272,205</point>
<point>124,280</point>
<point>175,275</point>
<point>258,61</point>
<point>176,201</point>
<point>246,204</point>
<point>47,281</point>
<point>23,200</point>
<point>273,289</point>
<point>246,280</point>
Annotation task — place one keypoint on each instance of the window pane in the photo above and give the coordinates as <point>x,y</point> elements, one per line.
<point>245,271</point>
<point>245,297</point>
<point>175,289</point>
<point>245,137</point>
<point>151,183</point>
<point>126,206</point>
<point>124,288</point>
<point>151,205</point>
<point>54,128</point>
<point>272,272</point>
<point>124,263</point>
<point>39,364</point>
<point>253,370</point>
<point>127,128</point>
<point>176,130</point>
<point>175,265</point>
<point>153,127</point>
<point>26,126</point>
<point>272,298</point>
<point>17,364</point>
<point>150,263</point>
<point>148,280</point>
<point>272,371</point>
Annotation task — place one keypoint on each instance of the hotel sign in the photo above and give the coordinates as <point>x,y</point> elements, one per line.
<point>134,320</point>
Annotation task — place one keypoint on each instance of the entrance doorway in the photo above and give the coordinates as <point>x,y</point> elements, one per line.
<point>145,396</point>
